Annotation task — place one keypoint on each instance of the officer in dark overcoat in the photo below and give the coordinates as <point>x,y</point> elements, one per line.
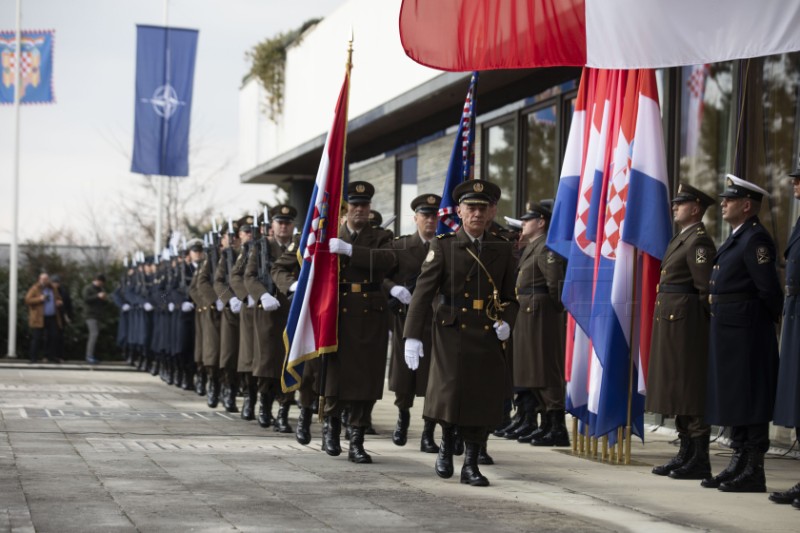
<point>470,273</point>
<point>746,301</point>
<point>677,375</point>
<point>410,252</point>
<point>355,372</point>
<point>539,333</point>
<point>787,400</point>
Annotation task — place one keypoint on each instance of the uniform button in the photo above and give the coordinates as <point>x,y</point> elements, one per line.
<point>468,279</point>
<point>344,294</point>
<point>365,295</point>
<point>365,310</point>
<point>466,295</point>
<point>463,326</point>
<point>486,328</point>
<point>672,317</point>
<point>463,309</point>
<point>443,322</point>
<point>344,309</point>
<point>366,281</point>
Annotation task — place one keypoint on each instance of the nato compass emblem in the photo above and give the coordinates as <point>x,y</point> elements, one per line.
<point>165,101</point>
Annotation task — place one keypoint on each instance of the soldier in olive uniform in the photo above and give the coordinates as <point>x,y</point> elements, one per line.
<point>244,364</point>
<point>229,323</point>
<point>746,302</point>
<point>355,373</point>
<point>272,311</point>
<point>410,252</point>
<point>197,259</point>
<point>787,400</point>
<point>676,381</point>
<point>209,310</point>
<point>540,333</point>
<point>471,273</point>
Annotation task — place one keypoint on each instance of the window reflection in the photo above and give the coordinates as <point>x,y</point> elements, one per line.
<point>502,165</point>
<point>541,172</point>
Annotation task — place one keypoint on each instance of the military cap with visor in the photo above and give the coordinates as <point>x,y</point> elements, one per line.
<point>245,223</point>
<point>195,245</point>
<point>687,193</point>
<point>426,203</point>
<point>283,212</point>
<point>537,210</point>
<point>375,218</point>
<point>476,192</point>
<point>738,188</point>
<point>360,192</point>
<point>796,173</point>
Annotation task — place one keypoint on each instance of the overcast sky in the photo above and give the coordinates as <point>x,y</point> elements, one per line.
<point>75,154</point>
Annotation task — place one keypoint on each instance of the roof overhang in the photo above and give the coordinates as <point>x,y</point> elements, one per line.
<point>427,109</point>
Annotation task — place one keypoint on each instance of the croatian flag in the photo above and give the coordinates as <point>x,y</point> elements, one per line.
<point>461,160</point>
<point>311,329</point>
<point>694,88</point>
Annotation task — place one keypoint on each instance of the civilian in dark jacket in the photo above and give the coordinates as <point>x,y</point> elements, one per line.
<point>95,298</point>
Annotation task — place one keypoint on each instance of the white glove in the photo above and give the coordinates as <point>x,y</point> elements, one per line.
<point>250,302</point>
<point>414,353</point>
<point>148,306</point>
<point>236,304</point>
<point>502,329</point>
<point>186,307</point>
<point>401,293</point>
<point>338,246</point>
<point>220,305</point>
<point>293,287</point>
<point>171,307</point>
<point>268,302</point>
<point>126,308</point>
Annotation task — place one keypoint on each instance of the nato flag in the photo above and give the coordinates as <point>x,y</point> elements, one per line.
<point>164,74</point>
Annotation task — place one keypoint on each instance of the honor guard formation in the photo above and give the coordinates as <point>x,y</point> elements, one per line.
<point>474,327</point>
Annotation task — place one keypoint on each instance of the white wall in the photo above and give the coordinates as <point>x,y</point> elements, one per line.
<point>314,75</point>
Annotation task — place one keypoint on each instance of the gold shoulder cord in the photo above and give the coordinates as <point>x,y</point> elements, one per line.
<point>495,306</point>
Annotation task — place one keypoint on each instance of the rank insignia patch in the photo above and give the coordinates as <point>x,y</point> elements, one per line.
<point>701,256</point>
<point>291,247</point>
<point>551,258</point>
<point>762,254</point>
<point>429,257</point>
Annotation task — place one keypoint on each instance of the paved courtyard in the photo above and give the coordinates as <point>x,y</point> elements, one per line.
<point>111,449</point>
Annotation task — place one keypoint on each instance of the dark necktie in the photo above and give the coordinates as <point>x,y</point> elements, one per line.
<point>427,245</point>
<point>353,236</point>
<point>477,244</point>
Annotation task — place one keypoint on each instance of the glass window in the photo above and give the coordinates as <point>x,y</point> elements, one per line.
<point>501,166</point>
<point>407,185</point>
<point>706,92</point>
<point>541,166</point>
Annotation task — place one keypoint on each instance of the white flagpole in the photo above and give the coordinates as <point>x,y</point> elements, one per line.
<point>160,215</point>
<point>14,259</point>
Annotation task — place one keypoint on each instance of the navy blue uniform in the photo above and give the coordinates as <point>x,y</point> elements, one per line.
<point>787,401</point>
<point>746,302</point>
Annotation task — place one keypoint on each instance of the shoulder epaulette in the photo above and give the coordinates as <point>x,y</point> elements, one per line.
<point>701,231</point>
<point>499,236</point>
<point>445,235</point>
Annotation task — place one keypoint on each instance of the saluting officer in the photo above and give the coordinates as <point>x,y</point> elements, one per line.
<point>787,400</point>
<point>410,252</point>
<point>676,382</point>
<point>355,373</point>
<point>471,273</point>
<point>746,302</point>
<point>540,332</point>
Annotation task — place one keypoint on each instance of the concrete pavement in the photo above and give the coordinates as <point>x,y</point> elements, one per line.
<point>107,449</point>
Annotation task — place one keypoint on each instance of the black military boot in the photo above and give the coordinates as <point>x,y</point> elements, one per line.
<point>470,474</point>
<point>751,479</point>
<point>537,433</point>
<point>200,383</point>
<point>516,420</point>
<point>141,363</point>
<point>303,432</point>
<point>281,424</point>
<point>427,444</point>
<point>400,435</point>
<point>698,466</point>
<point>458,446</point>
<point>734,468</point>
<point>498,431</point>
<point>558,434</point>
<point>179,377</point>
<point>444,461</point>
<point>212,396</point>
<point>787,496</point>
<point>229,400</point>
<point>483,457</point>
<point>265,418</point>
<point>154,366</point>
<point>188,378</point>
<point>356,453</point>
<point>332,444</point>
<point>681,458</point>
<point>325,426</point>
<point>346,423</point>
<point>250,399</point>
<point>528,425</point>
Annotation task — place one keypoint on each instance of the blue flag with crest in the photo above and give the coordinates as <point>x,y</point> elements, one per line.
<point>165,60</point>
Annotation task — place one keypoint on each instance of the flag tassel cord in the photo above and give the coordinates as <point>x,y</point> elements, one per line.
<point>324,357</point>
<point>633,347</point>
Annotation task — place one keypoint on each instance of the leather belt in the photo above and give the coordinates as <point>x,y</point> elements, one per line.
<point>536,289</point>
<point>359,287</point>
<point>676,288</point>
<point>731,297</point>
<point>792,290</point>
<point>458,301</point>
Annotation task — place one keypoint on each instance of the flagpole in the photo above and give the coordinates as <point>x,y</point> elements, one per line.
<point>633,348</point>
<point>348,68</point>
<point>14,256</point>
<point>160,214</point>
